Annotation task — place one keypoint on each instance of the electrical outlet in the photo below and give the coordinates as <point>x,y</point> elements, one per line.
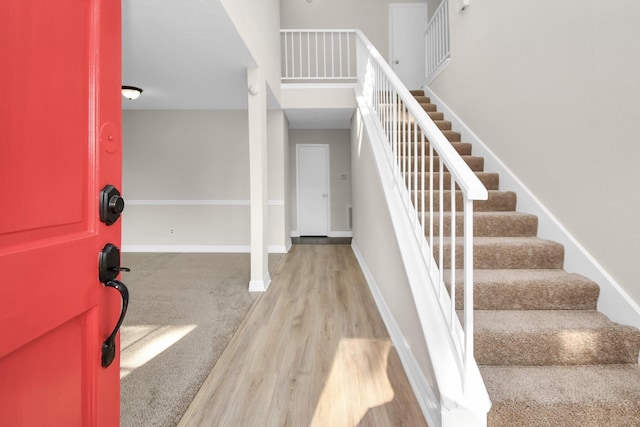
<point>171,231</point>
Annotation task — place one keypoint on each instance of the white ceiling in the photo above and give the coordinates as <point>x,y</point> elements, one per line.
<point>188,55</point>
<point>184,54</point>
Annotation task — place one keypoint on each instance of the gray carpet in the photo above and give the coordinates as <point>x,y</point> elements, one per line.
<point>183,310</point>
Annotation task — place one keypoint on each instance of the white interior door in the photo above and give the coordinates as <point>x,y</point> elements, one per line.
<point>407,22</point>
<point>313,189</point>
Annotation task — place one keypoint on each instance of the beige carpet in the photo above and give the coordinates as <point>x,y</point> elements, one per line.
<point>547,356</point>
<point>183,310</point>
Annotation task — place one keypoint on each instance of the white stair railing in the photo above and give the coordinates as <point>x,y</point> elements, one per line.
<point>416,150</point>
<point>318,55</point>
<point>436,38</point>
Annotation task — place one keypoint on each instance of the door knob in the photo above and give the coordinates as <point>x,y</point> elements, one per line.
<point>396,62</point>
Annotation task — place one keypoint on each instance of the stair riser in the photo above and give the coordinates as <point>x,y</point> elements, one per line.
<point>562,415</point>
<point>506,256</point>
<point>563,396</point>
<point>498,201</point>
<point>540,296</point>
<point>489,180</point>
<point>573,347</point>
<point>527,290</point>
<point>516,226</point>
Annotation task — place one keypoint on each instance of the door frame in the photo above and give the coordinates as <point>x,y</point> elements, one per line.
<point>393,6</point>
<point>328,170</point>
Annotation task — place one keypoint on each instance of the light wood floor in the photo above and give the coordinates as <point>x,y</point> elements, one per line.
<point>313,351</point>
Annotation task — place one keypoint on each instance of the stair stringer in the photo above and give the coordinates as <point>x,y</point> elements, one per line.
<point>453,408</point>
<point>614,301</point>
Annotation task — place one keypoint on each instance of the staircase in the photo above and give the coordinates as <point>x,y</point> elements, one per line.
<point>547,356</point>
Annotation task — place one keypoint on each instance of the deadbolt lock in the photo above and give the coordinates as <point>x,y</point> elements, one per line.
<point>111,204</point>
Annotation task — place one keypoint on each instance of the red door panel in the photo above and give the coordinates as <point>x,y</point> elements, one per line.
<point>60,119</point>
<point>53,381</point>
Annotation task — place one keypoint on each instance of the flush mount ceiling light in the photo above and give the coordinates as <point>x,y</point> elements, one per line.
<point>131,92</point>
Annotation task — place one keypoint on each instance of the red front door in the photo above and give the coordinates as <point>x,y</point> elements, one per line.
<point>60,145</point>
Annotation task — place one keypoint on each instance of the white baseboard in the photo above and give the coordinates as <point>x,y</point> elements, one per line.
<point>340,234</point>
<point>260,285</point>
<point>186,248</point>
<point>272,249</point>
<point>280,249</point>
<point>429,403</point>
<point>348,233</point>
<point>614,301</point>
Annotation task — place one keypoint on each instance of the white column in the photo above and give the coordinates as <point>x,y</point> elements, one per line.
<point>257,88</point>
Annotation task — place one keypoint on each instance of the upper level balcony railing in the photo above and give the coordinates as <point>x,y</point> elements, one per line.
<point>319,56</point>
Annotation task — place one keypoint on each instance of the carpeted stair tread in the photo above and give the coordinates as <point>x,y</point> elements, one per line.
<point>488,224</point>
<point>496,201</point>
<point>506,253</point>
<point>463,148</point>
<point>408,129</point>
<point>409,163</point>
<point>552,337</point>
<point>540,289</point>
<point>436,115</point>
<point>564,396</point>
<point>491,181</point>
<point>428,106</point>
<point>443,124</point>
<point>422,99</point>
<point>452,136</point>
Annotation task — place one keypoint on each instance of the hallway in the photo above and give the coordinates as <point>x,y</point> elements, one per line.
<point>313,351</point>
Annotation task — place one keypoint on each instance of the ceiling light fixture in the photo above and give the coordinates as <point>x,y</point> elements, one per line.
<point>131,92</point>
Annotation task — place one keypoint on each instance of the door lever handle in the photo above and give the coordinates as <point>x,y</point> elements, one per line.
<point>109,345</point>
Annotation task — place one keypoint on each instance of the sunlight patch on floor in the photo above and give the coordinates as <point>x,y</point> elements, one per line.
<point>141,343</point>
<point>356,383</point>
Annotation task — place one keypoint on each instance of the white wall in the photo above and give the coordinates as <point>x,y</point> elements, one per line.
<point>258,23</point>
<point>339,174</point>
<point>278,179</point>
<point>374,235</point>
<point>552,88</point>
<point>372,17</point>
<point>188,171</point>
